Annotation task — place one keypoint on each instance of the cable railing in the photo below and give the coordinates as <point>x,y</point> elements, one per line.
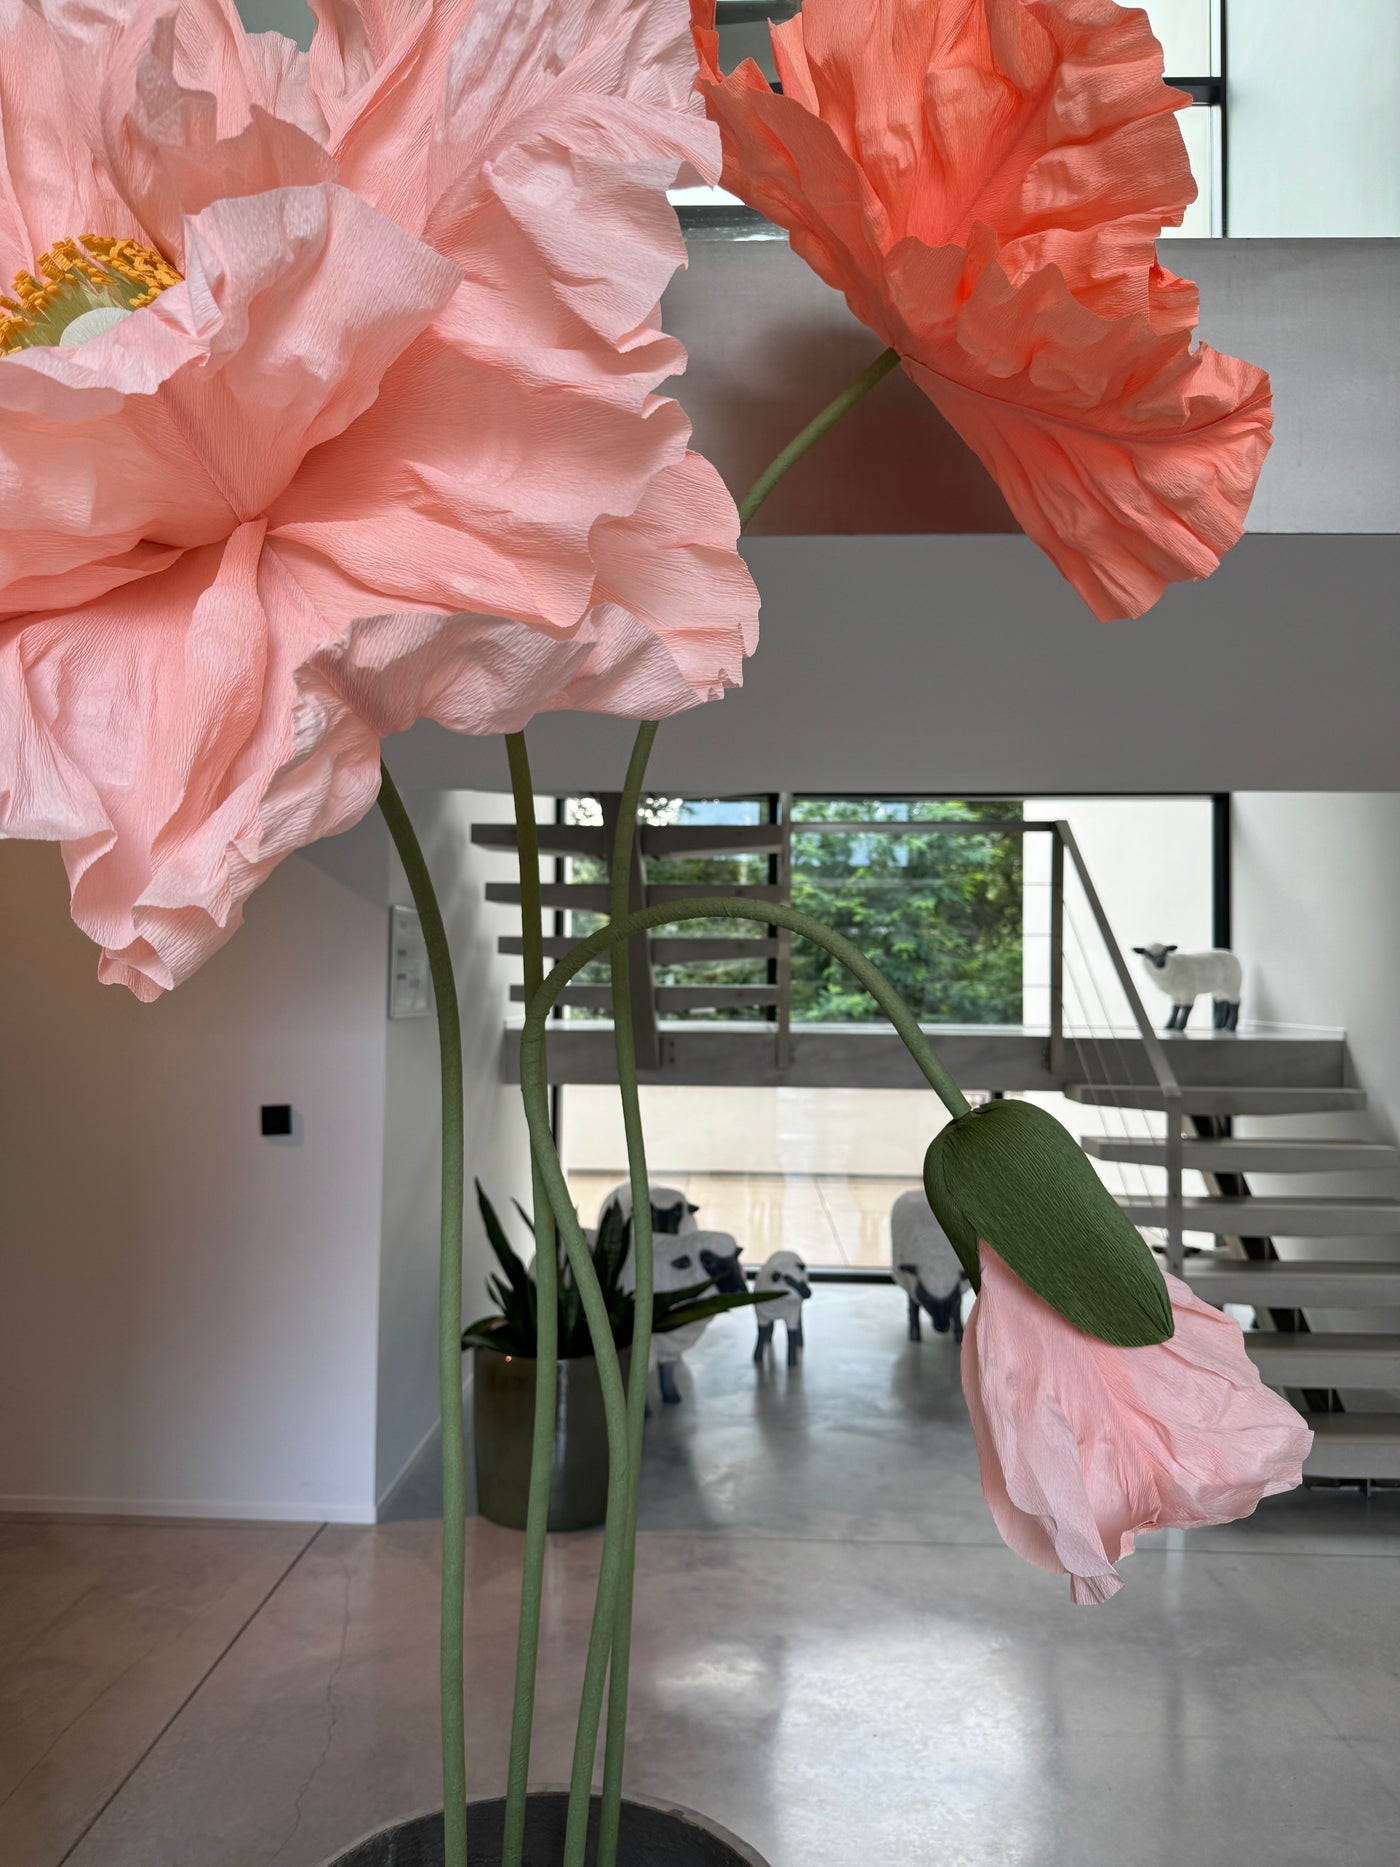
<point>1064,1037</point>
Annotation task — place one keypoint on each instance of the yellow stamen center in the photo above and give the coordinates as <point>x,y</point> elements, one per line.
<point>75,278</point>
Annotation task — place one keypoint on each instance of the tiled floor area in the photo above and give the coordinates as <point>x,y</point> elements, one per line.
<point>835,1657</point>
<point>833,1220</point>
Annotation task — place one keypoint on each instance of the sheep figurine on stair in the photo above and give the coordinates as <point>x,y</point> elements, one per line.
<point>1185,976</point>
<point>786,1274</point>
<point>925,1266</point>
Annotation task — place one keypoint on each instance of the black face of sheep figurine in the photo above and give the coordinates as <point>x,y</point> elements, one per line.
<point>786,1274</point>
<point>1185,976</point>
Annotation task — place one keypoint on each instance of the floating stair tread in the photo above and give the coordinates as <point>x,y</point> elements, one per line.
<point>1354,1445</point>
<point>593,896</point>
<point>666,952</point>
<point>589,896</point>
<point>1286,1283</point>
<point>1260,1215</point>
<point>1320,1358</point>
<point>668,997</point>
<point>1219,1099</point>
<point>661,841</point>
<point>555,839</point>
<point>1266,1154</point>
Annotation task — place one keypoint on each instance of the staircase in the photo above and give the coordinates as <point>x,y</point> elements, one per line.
<point>1340,1378</point>
<point>669,974</point>
<point>1329,1373</point>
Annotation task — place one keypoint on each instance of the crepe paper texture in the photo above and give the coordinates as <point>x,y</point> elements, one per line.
<point>328,401</point>
<point>1083,1446</point>
<point>984,181</point>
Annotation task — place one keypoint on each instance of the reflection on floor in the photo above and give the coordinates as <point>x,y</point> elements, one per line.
<point>835,1657</point>
<point>831,1220</point>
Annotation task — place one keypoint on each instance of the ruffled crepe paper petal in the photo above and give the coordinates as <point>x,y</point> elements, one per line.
<point>984,182</point>
<point>1010,1174</point>
<point>1083,1447</point>
<point>341,476</point>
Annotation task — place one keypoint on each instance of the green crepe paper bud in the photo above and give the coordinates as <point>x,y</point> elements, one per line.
<point>1009,1173</point>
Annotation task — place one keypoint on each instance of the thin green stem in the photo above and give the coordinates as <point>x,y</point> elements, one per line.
<point>454,1503</point>
<point>620,881</point>
<point>546,1346</point>
<point>535,1090</point>
<point>813,432</point>
<point>534,1083</point>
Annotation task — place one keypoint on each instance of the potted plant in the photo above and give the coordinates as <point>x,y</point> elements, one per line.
<point>503,1387</point>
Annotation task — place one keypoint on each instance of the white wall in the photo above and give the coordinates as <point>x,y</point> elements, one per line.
<point>196,1320</point>
<point>497,1146</point>
<point>190,1311</point>
<point>1150,860</point>
<point>1317,923</point>
<point>1314,102</point>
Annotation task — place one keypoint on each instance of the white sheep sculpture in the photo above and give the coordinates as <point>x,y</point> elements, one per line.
<point>785,1273</point>
<point>681,1259</point>
<point>1185,976</point>
<point>925,1266</point>
<point>671,1211</point>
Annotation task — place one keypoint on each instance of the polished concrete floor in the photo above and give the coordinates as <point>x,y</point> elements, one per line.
<point>835,1657</point>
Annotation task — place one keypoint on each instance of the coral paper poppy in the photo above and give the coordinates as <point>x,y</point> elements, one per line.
<point>1083,1445</point>
<point>984,180</point>
<point>328,401</point>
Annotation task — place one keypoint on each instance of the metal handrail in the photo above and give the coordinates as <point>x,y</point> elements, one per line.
<point>1169,1088</point>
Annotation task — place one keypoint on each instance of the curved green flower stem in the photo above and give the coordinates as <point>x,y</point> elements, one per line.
<point>546,1346</point>
<point>535,1090</point>
<point>534,1083</point>
<point>454,1503</point>
<point>620,879</point>
<point>715,908</point>
<point>813,433</point>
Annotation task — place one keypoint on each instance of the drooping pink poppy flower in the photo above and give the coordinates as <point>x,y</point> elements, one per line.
<point>1084,1446</point>
<point>327,402</point>
<point>984,181</point>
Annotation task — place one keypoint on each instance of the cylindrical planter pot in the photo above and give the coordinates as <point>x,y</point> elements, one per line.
<point>651,1834</point>
<point>503,1409</point>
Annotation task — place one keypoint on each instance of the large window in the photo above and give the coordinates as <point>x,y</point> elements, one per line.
<point>938,911</point>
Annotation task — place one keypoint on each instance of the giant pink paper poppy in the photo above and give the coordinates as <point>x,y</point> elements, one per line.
<point>328,401</point>
<point>984,181</point>
<point>1084,1446</point>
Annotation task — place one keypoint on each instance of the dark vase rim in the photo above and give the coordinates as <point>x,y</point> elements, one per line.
<point>661,1805</point>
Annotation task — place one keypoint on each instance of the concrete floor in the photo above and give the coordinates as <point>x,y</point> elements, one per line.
<point>835,1657</point>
